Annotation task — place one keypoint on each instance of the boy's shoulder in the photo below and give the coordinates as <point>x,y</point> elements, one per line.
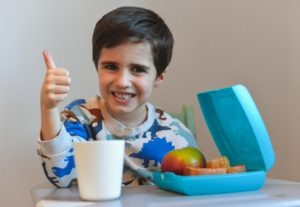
<point>162,116</point>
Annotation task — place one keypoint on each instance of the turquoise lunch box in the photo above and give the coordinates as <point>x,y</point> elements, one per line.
<point>240,134</point>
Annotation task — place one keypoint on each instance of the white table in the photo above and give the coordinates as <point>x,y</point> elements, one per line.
<point>273,193</point>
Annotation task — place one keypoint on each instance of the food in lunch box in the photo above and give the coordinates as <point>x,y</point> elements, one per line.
<point>237,168</point>
<point>208,164</point>
<point>176,160</point>
<point>220,162</point>
<point>203,171</point>
<point>219,165</point>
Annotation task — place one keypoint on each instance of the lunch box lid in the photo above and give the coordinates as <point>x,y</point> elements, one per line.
<point>237,127</point>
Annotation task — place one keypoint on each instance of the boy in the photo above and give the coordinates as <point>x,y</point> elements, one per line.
<point>132,48</point>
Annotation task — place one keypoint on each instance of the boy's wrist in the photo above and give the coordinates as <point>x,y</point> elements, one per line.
<point>50,123</point>
<point>48,108</point>
<point>45,105</point>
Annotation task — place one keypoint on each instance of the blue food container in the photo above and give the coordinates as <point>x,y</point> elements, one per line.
<point>240,134</point>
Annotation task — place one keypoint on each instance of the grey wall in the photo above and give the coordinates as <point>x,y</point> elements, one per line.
<point>218,43</point>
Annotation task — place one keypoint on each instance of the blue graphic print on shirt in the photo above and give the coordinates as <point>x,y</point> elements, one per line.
<point>153,150</point>
<point>74,103</point>
<point>51,179</point>
<point>153,129</point>
<point>76,129</point>
<point>60,172</point>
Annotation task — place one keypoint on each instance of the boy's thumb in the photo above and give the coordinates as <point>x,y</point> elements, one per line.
<point>48,60</point>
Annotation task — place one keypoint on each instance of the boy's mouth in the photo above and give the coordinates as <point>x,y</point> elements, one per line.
<point>124,96</point>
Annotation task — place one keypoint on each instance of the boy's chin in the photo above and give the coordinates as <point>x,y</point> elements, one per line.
<point>117,109</point>
<point>127,110</point>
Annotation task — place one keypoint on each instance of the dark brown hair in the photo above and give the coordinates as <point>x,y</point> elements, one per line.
<point>137,25</point>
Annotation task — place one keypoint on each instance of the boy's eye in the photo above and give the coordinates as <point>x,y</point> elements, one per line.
<point>138,70</point>
<point>111,67</point>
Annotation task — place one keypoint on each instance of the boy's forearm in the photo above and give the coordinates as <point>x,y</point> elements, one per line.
<point>50,123</point>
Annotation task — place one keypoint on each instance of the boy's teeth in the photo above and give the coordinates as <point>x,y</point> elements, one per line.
<point>123,96</point>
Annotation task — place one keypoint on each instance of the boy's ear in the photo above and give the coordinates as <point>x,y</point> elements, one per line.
<point>160,78</point>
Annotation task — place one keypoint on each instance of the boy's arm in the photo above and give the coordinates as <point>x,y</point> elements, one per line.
<point>54,90</point>
<point>57,156</point>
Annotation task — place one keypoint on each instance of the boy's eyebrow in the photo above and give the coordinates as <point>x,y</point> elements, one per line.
<point>140,66</point>
<point>108,63</point>
<point>132,65</point>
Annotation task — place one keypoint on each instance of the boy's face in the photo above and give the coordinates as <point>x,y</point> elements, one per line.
<point>127,76</point>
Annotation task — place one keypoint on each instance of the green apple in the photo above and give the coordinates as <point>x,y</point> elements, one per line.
<point>176,160</point>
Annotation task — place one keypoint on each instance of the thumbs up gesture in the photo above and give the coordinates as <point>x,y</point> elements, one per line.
<point>56,83</point>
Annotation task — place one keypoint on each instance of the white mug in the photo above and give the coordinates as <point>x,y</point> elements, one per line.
<point>99,166</point>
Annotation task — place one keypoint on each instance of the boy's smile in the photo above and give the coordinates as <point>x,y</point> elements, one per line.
<point>127,76</point>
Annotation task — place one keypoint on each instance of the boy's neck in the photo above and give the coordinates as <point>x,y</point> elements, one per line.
<point>132,120</point>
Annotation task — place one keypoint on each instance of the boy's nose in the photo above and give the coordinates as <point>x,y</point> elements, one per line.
<point>123,79</point>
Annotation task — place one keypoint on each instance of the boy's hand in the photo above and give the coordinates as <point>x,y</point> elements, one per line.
<point>56,84</point>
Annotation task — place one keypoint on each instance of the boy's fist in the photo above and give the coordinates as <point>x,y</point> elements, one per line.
<point>56,84</point>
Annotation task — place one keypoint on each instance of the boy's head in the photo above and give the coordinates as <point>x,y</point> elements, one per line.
<point>136,25</point>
